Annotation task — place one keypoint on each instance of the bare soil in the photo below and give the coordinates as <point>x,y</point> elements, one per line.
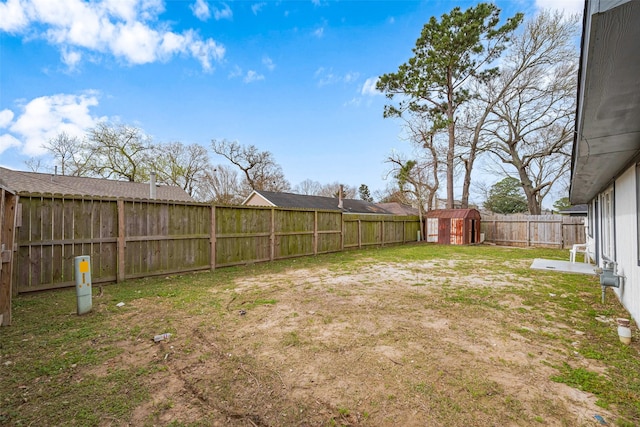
<point>371,344</point>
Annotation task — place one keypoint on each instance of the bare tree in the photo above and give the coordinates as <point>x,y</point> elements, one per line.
<point>220,185</point>
<point>69,152</point>
<point>469,132</point>
<point>429,155</point>
<point>414,178</point>
<point>333,190</point>
<point>34,164</point>
<point>531,125</point>
<point>118,151</point>
<point>391,194</point>
<point>181,165</point>
<point>308,187</point>
<point>260,170</point>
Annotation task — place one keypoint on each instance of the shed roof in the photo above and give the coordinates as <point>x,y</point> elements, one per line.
<point>454,213</point>
<point>291,200</point>
<point>43,183</point>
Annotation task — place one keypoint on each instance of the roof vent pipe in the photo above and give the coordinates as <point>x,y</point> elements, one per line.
<point>152,186</point>
<point>340,197</point>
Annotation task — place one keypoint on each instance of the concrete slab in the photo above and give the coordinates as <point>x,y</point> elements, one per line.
<point>563,266</point>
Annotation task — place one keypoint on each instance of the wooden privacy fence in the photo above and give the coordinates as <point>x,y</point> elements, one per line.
<point>137,238</point>
<point>8,203</point>
<point>554,231</point>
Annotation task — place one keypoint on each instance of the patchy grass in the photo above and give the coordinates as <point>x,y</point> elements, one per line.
<point>412,335</point>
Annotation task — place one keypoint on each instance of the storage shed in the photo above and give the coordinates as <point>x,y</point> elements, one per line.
<point>453,226</point>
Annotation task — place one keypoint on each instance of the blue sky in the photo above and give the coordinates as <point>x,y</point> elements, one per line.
<point>291,77</point>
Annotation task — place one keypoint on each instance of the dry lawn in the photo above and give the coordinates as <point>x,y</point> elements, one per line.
<point>368,338</point>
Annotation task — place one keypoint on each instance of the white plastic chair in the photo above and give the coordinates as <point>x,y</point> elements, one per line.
<point>579,248</point>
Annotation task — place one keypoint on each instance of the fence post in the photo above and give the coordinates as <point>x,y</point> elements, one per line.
<point>342,226</point>
<point>528,233</point>
<point>404,231</point>
<point>213,237</point>
<point>315,232</point>
<point>121,242</point>
<point>272,236</point>
<point>359,234</point>
<point>382,231</point>
<point>8,222</point>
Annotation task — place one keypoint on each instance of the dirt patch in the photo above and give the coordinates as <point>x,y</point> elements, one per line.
<point>377,344</point>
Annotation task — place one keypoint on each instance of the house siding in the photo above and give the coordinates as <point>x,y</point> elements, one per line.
<point>257,200</point>
<point>626,241</point>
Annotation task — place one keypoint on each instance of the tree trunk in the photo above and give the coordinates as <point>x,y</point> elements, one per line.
<point>452,143</point>
<point>450,156</point>
<point>532,201</point>
<point>530,193</point>
<point>525,181</point>
<point>467,181</point>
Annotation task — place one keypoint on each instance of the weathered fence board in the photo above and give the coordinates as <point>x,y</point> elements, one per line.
<point>8,214</point>
<point>54,231</point>
<point>554,231</point>
<point>137,238</point>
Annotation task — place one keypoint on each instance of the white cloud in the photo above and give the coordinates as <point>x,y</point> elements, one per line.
<point>256,7</point>
<point>5,118</point>
<point>252,76</point>
<point>205,51</point>
<point>200,10</point>
<point>326,76</point>
<point>136,42</point>
<point>71,58</point>
<point>128,10</point>
<point>12,16</point>
<point>45,117</point>
<point>569,7</point>
<point>319,32</point>
<point>353,102</point>
<point>369,87</point>
<point>172,43</point>
<point>127,29</point>
<point>351,77</point>
<point>235,72</point>
<point>268,62</point>
<point>7,141</point>
<point>224,13</point>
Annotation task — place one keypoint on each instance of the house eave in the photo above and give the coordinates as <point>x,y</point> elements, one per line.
<point>607,138</point>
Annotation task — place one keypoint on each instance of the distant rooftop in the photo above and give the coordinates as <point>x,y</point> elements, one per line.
<point>44,183</point>
<point>575,210</point>
<point>291,200</point>
<point>398,208</point>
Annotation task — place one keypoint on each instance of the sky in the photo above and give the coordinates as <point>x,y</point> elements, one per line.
<point>296,78</point>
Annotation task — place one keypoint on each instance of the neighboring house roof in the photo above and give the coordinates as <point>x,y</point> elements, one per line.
<point>398,208</point>
<point>290,200</point>
<point>575,210</point>
<point>607,134</point>
<point>43,183</point>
